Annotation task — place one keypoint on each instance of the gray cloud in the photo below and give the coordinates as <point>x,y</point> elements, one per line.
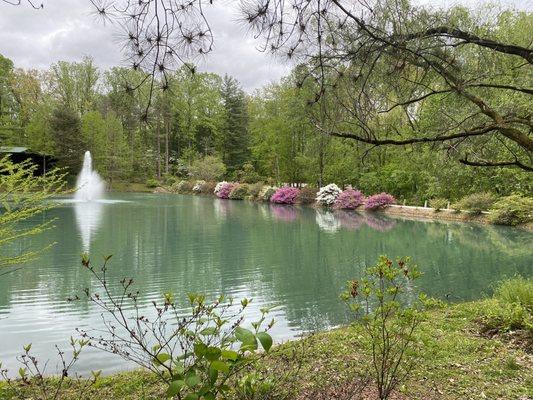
<point>67,30</point>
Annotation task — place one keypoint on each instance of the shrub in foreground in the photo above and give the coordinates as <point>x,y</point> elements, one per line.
<point>516,290</point>
<point>195,353</point>
<point>378,201</point>
<point>388,324</point>
<point>512,210</point>
<point>239,191</point>
<point>285,195</point>
<point>307,195</point>
<point>475,203</point>
<point>327,195</point>
<point>349,199</point>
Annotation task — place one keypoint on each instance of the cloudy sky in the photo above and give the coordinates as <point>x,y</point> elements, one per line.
<point>67,30</point>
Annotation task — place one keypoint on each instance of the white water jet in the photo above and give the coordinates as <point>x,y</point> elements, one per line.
<point>89,186</point>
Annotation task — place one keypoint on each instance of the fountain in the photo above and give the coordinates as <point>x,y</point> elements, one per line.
<point>88,201</point>
<point>89,186</point>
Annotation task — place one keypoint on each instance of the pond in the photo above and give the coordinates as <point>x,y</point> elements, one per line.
<point>296,258</point>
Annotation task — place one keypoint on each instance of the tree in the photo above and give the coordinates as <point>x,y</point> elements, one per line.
<point>209,168</point>
<point>69,142</point>
<point>382,58</point>
<point>236,135</point>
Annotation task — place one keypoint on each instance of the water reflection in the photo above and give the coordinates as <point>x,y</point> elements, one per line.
<point>88,219</point>
<point>284,213</point>
<point>327,221</point>
<point>332,221</point>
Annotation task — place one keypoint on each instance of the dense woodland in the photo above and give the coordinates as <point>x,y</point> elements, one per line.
<point>265,136</point>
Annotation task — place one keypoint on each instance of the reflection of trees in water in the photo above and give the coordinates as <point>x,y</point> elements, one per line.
<point>223,207</point>
<point>379,223</point>
<point>284,213</point>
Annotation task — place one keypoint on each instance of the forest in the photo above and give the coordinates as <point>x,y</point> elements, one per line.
<point>270,135</point>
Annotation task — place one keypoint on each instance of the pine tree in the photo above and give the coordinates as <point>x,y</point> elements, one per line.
<point>235,141</point>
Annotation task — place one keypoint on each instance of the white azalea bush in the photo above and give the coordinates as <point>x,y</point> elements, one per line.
<point>327,195</point>
<point>219,186</point>
<point>197,188</point>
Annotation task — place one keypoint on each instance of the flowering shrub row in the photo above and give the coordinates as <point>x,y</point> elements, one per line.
<point>329,196</point>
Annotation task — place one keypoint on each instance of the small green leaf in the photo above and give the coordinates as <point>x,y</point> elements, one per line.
<point>213,375</point>
<point>244,336</point>
<point>230,355</point>
<point>191,396</point>
<point>200,349</point>
<point>174,388</point>
<point>265,339</point>
<point>192,380</point>
<point>209,396</point>
<point>209,331</point>
<point>162,358</point>
<point>212,353</point>
<point>220,366</point>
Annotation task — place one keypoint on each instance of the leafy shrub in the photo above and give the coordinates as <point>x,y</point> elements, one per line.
<point>327,195</point>
<point>197,188</point>
<point>476,203</point>
<point>208,188</point>
<point>152,183</point>
<point>517,290</point>
<point>255,190</point>
<point>185,187</point>
<point>307,195</point>
<point>267,192</point>
<point>239,191</point>
<point>209,168</point>
<point>380,200</point>
<point>438,204</point>
<point>349,199</point>
<point>388,325</point>
<point>512,210</point>
<point>248,174</point>
<point>194,353</point>
<point>223,189</point>
<point>285,195</point>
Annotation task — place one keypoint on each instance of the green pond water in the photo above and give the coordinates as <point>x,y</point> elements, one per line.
<point>296,258</point>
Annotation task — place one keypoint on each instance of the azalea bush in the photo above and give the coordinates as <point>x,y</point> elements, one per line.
<point>349,199</point>
<point>223,189</point>
<point>512,210</point>
<point>307,195</point>
<point>327,195</point>
<point>239,191</point>
<point>255,190</point>
<point>285,195</point>
<point>267,192</point>
<point>378,201</point>
<point>197,188</point>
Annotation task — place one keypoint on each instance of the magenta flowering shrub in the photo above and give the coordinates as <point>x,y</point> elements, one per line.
<point>379,200</point>
<point>285,195</point>
<point>225,190</point>
<point>349,199</point>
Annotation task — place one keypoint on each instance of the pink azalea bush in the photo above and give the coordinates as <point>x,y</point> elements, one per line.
<point>349,199</point>
<point>224,190</point>
<point>379,200</point>
<point>285,195</point>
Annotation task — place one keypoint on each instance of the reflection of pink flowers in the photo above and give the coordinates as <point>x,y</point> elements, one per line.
<point>349,199</point>
<point>284,213</point>
<point>225,190</point>
<point>379,200</point>
<point>379,224</point>
<point>349,219</point>
<point>285,195</point>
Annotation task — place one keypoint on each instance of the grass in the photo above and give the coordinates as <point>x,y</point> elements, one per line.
<point>456,361</point>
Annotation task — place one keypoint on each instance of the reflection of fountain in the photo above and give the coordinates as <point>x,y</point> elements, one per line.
<point>88,218</point>
<point>89,185</point>
<point>89,189</point>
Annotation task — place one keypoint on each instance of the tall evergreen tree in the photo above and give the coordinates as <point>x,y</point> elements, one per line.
<point>235,141</point>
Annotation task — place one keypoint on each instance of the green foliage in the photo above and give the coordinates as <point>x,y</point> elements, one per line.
<point>512,210</point>
<point>388,324</point>
<point>476,203</point>
<point>240,192</point>
<point>23,196</point>
<point>438,204</point>
<point>152,183</point>
<point>247,174</point>
<point>517,290</point>
<point>255,190</point>
<point>208,168</point>
<point>307,195</point>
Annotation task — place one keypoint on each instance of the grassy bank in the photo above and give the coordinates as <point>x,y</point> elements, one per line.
<point>459,358</point>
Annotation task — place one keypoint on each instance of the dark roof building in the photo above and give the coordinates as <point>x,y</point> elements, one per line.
<point>19,154</point>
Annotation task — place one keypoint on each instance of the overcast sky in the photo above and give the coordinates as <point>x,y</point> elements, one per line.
<point>67,30</point>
